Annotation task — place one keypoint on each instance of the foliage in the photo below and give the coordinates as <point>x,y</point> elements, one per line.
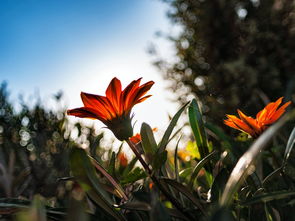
<point>229,54</point>
<point>221,178</point>
<point>34,149</point>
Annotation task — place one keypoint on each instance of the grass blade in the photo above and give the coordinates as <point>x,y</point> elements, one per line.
<point>199,166</point>
<point>266,197</point>
<point>185,191</point>
<point>197,125</point>
<point>85,174</point>
<point>170,128</point>
<point>116,185</point>
<point>290,145</point>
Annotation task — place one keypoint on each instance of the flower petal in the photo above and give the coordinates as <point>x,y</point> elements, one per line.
<point>143,99</point>
<point>127,92</point>
<point>261,116</point>
<point>250,122</point>
<point>87,112</point>
<point>272,107</point>
<point>113,93</point>
<point>241,125</point>
<point>98,102</point>
<point>278,113</point>
<point>139,92</point>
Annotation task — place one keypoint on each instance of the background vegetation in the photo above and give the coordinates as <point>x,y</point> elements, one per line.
<point>230,54</point>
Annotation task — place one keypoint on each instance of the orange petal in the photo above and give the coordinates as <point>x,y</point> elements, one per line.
<point>272,107</point>
<point>143,99</point>
<point>139,92</point>
<point>231,124</point>
<point>278,113</point>
<point>241,125</point>
<point>261,116</point>
<point>127,92</point>
<point>98,102</point>
<point>113,93</point>
<point>87,112</point>
<point>250,122</point>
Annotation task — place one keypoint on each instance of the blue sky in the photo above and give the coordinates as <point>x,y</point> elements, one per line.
<point>80,46</point>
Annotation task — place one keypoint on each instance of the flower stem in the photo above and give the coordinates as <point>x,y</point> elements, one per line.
<point>177,205</point>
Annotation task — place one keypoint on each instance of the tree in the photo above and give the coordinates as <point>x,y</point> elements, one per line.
<point>34,148</point>
<point>232,54</point>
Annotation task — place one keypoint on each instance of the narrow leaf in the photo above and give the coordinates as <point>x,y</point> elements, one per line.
<point>87,178</point>
<point>111,168</point>
<point>170,128</point>
<point>115,184</point>
<point>134,176</point>
<point>197,125</point>
<point>148,141</point>
<point>129,167</point>
<point>159,160</point>
<point>199,166</point>
<point>290,145</point>
<point>266,197</point>
<point>185,191</point>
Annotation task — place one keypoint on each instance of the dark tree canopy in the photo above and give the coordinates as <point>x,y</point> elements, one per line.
<point>232,53</point>
<point>34,148</point>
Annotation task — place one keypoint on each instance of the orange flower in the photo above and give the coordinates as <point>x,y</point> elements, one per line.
<point>114,109</point>
<point>254,127</point>
<point>122,159</point>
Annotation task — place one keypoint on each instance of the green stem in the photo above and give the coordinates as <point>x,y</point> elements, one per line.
<point>157,182</point>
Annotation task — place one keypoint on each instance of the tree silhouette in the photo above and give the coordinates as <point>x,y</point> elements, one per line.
<point>232,54</point>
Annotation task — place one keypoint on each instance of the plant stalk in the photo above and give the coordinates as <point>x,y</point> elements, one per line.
<point>157,182</point>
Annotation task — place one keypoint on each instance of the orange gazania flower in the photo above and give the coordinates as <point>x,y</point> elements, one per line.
<point>122,159</point>
<point>254,127</point>
<point>114,109</point>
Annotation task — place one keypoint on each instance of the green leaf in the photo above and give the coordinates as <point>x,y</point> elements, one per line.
<point>199,166</point>
<point>273,174</point>
<point>159,160</point>
<point>86,176</point>
<point>13,205</point>
<point>129,167</point>
<point>266,197</point>
<point>176,170</point>
<point>165,138</point>
<point>186,172</point>
<point>94,145</point>
<point>185,191</point>
<point>148,141</point>
<point>111,167</point>
<point>136,205</point>
<point>222,214</point>
<point>290,145</point>
<point>197,125</point>
<point>133,176</point>
<point>115,184</point>
<point>247,161</point>
<point>159,212</point>
<point>218,185</point>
